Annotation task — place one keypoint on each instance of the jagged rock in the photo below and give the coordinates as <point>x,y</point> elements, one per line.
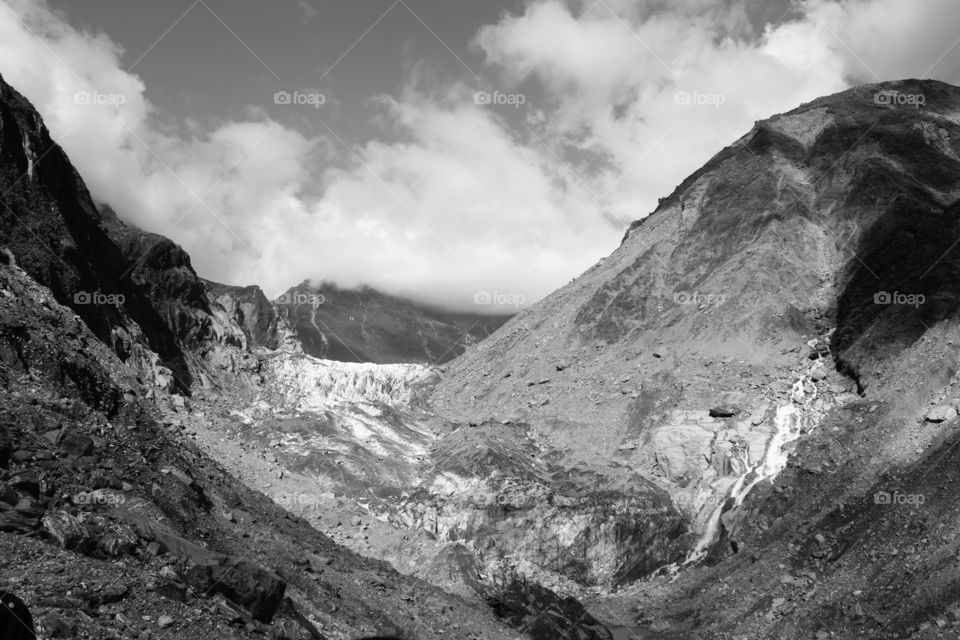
<point>69,532</point>
<point>941,413</point>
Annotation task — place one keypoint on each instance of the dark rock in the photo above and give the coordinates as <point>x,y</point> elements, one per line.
<point>77,445</point>
<point>248,585</point>
<point>14,522</point>
<point>724,411</point>
<point>544,615</point>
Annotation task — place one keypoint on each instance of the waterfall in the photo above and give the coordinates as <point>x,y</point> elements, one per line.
<point>788,425</point>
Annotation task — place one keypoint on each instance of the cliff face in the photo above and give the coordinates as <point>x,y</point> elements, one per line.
<point>249,308</point>
<point>137,291</point>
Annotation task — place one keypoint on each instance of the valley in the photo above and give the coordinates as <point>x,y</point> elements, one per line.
<point>729,428</point>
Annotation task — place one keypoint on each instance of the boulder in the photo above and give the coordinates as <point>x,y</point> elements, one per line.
<point>77,445</point>
<point>242,582</point>
<point>69,532</point>
<point>941,413</point>
<point>724,411</point>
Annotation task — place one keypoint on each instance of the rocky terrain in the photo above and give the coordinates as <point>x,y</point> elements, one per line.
<point>113,523</point>
<point>741,424</point>
<point>365,325</point>
<point>824,233</point>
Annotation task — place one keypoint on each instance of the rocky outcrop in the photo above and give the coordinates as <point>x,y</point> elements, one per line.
<point>137,291</point>
<point>248,308</point>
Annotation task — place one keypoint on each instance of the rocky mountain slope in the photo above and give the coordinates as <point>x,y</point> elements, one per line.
<point>113,523</point>
<point>741,424</point>
<point>767,347</point>
<point>365,325</point>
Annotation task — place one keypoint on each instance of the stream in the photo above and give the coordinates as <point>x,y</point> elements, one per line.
<point>791,418</point>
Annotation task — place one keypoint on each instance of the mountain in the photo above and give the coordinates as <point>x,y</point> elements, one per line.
<point>740,424</point>
<point>114,521</point>
<point>775,347</point>
<point>365,325</point>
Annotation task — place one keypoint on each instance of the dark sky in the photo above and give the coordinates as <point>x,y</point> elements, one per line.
<point>193,66</point>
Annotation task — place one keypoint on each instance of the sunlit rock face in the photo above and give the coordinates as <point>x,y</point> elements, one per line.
<point>807,237</point>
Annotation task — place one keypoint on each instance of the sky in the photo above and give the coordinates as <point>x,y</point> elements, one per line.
<point>434,149</point>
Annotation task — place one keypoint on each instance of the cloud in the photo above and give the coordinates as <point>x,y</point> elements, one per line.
<point>448,196</point>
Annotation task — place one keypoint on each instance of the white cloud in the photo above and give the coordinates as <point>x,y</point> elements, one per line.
<point>460,199</point>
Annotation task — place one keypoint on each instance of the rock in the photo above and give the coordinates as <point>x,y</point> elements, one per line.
<point>941,413</point>
<point>164,621</point>
<point>627,447</point>
<point>77,445</point>
<point>68,531</point>
<point>724,411</point>
<point>178,474</point>
<point>244,583</point>
<point>56,626</point>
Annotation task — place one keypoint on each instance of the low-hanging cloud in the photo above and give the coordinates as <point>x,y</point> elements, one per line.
<point>623,101</point>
